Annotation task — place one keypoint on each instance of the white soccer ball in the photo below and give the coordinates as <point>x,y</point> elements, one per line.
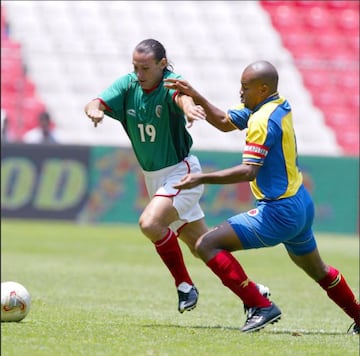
<point>265,291</point>
<point>15,301</point>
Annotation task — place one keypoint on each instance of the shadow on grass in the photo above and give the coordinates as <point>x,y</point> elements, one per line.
<point>267,331</point>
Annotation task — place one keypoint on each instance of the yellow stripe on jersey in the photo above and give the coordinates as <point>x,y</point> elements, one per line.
<point>271,143</point>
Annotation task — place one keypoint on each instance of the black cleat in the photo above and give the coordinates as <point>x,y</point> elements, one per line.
<point>354,329</point>
<point>258,318</point>
<point>188,301</point>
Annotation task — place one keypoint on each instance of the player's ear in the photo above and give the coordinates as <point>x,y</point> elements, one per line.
<point>264,89</point>
<point>163,63</point>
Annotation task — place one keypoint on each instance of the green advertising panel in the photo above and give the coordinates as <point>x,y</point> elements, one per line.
<point>105,185</point>
<point>117,191</point>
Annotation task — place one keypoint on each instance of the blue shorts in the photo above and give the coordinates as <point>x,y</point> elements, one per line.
<point>288,221</point>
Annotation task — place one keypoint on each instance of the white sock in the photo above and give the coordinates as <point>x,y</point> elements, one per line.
<point>184,287</point>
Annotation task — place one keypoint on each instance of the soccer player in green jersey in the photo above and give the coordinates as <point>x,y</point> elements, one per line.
<point>284,211</point>
<point>154,119</point>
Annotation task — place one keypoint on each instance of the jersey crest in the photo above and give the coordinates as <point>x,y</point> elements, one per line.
<point>158,110</point>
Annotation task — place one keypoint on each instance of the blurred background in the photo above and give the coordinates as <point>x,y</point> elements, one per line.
<point>58,55</point>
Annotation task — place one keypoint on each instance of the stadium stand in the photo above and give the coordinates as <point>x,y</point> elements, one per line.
<point>74,49</point>
<point>18,93</point>
<point>323,37</point>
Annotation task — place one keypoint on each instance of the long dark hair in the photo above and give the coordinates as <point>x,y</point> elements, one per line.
<point>156,48</point>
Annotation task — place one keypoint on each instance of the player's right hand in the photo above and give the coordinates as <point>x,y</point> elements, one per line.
<point>95,115</point>
<point>188,181</point>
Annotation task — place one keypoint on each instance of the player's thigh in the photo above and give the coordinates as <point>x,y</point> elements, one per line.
<point>221,237</point>
<point>192,231</point>
<point>159,211</point>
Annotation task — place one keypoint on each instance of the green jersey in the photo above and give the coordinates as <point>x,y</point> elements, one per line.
<point>152,120</point>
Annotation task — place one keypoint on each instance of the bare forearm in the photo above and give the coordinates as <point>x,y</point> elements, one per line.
<point>214,115</point>
<point>236,174</point>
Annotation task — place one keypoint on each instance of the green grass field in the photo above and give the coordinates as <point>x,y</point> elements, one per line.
<point>102,290</point>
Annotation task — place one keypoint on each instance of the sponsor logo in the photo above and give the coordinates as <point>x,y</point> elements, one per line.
<point>253,212</point>
<point>131,112</point>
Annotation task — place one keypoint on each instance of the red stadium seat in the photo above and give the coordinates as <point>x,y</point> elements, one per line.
<point>349,140</point>
<point>316,79</point>
<point>349,80</point>
<point>347,20</point>
<point>342,117</point>
<point>323,37</point>
<point>342,4</point>
<point>352,42</point>
<point>328,97</point>
<point>285,18</point>
<point>18,93</point>
<point>305,4</point>
<point>297,41</point>
<point>317,19</point>
<point>330,42</point>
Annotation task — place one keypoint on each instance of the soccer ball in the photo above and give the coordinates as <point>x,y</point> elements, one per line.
<point>265,291</point>
<point>15,301</point>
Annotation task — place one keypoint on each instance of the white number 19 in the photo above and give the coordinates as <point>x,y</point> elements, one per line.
<point>147,131</point>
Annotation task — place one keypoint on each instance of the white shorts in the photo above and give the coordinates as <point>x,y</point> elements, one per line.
<point>186,202</point>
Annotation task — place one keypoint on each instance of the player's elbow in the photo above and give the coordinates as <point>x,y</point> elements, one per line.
<point>222,124</point>
<point>251,172</point>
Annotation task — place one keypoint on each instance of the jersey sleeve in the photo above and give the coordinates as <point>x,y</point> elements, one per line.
<point>256,149</point>
<point>169,74</point>
<point>114,97</point>
<point>239,116</point>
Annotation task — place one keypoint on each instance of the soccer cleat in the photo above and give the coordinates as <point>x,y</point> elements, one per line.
<point>354,329</point>
<point>188,301</point>
<point>265,291</point>
<point>260,317</point>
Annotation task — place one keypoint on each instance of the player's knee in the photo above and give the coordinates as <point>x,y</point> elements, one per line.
<point>193,251</point>
<point>152,228</point>
<point>203,247</point>
<point>147,227</point>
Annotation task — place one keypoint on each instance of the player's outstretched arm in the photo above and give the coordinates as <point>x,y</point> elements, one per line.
<point>192,111</point>
<point>214,115</point>
<point>236,174</point>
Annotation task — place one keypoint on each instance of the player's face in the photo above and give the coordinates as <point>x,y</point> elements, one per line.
<point>251,93</point>
<point>148,70</point>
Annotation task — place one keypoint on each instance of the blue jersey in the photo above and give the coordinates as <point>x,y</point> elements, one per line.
<point>271,144</point>
<point>285,210</point>
<point>154,123</point>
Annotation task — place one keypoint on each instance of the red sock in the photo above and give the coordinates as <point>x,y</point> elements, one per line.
<point>169,250</point>
<point>229,270</point>
<point>338,290</point>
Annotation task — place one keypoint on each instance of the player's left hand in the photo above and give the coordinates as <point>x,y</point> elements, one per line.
<point>193,113</point>
<point>189,181</point>
<point>180,85</point>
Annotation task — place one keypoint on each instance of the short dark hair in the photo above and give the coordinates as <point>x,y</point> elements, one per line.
<point>156,48</point>
<point>44,116</point>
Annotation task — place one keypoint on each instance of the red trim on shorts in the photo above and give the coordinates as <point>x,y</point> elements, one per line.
<point>178,231</point>
<point>174,195</point>
<point>166,196</point>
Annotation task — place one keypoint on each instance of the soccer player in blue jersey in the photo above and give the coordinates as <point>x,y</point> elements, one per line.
<point>284,211</point>
<point>154,119</point>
